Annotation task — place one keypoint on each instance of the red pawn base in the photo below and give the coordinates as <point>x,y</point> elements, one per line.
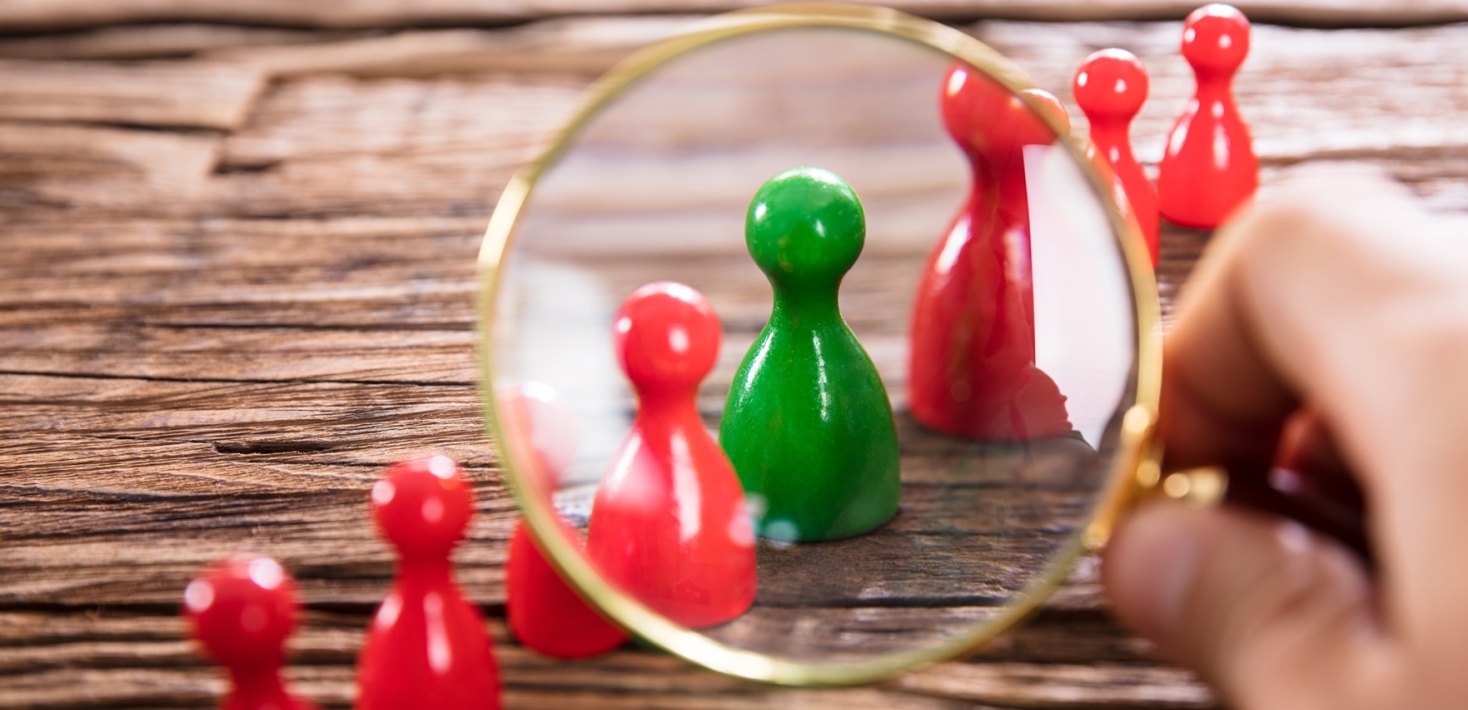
<point>545,613</point>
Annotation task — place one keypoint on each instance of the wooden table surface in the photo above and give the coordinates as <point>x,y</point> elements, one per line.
<point>237,249</point>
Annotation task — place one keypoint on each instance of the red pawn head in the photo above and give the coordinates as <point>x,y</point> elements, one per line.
<point>1215,40</point>
<point>423,506</point>
<point>988,120</point>
<point>667,338</point>
<point>242,610</point>
<point>1111,85</point>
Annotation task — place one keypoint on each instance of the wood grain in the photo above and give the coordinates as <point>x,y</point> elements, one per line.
<point>58,14</point>
<point>576,46</point>
<point>237,279</point>
<point>167,94</point>
<point>137,659</point>
<point>167,41</point>
<point>312,132</point>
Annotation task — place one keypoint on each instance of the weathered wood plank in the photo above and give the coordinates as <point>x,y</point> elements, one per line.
<point>631,680</point>
<point>235,384</point>
<point>576,46</point>
<point>293,463</point>
<point>283,353</point>
<point>59,637</point>
<point>335,116</point>
<point>155,299</point>
<point>307,137</point>
<point>50,170</point>
<point>170,299</point>
<point>1307,94</point>
<point>339,423</point>
<point>162,263</point>
<point>20,14</point>
<point>56,168</point>
<point>1024,685</point>
<point>429,183</point>
<point>133,658</point>
<point>150,568</point>
<point>170,41</point>
<point>167,94</point>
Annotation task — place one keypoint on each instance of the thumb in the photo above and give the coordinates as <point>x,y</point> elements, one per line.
<point>1270,614</point>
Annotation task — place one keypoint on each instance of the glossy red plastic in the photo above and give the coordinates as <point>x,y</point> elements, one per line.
<point>669,524</point>
<point>545,614</point>
<point>241,610</point>
<point>1209,168</point>
<point>426,645</point>
<point>972,360</point>
<point>1110,87</point>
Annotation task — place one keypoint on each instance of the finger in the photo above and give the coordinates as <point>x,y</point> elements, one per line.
<point>1340,290</point>
<point>1222,400</point>
<point>1253,328</point>
<point>1271,615</point>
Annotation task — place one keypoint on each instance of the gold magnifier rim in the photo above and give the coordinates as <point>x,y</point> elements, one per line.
<point>1134,471</point>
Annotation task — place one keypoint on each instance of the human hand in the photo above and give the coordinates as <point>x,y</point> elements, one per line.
<point>1335,292</point>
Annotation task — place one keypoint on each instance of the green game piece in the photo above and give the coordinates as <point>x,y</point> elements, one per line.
<point>808,424</point>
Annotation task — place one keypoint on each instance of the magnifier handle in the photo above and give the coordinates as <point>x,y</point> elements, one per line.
<point>1332,505</point>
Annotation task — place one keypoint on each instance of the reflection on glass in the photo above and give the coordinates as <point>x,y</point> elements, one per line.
<point>657,186</point>
<point>545,614</point>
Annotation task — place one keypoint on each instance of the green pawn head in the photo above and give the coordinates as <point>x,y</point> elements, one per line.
<point>805,228</point>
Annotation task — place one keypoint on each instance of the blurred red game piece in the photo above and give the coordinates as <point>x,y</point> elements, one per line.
<point>1110,87</point>
<point>545,613</point>
<point>669,524</point>
<point>426,645</point>
<point>1209,167</point>
<point>972,361</point>
<point>242,610</point>
<point>1050,107</point>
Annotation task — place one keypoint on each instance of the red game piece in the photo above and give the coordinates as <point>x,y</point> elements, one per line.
<point>1209,167</point>
<point>972,361</point>
<point>242,610</point>
<point>545,613</point>
<point>426,644</point>
<point>1110,87</point>
<point>669,524</point>
<point>1050,107</point>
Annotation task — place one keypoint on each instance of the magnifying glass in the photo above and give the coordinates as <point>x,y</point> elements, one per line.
<point>813,348</point>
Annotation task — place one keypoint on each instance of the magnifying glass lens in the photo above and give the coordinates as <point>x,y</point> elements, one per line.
<point>839,333</point>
